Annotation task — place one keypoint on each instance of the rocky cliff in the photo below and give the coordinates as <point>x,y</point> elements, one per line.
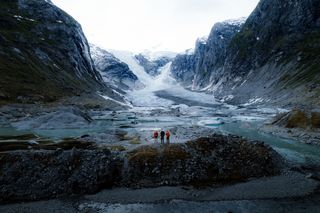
<point>197,70</point>
<point>112,70</point>
<point>210,61</point>
<point>44,54</point>
<point>274,58</point>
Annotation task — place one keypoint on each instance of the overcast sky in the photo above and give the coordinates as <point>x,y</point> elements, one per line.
<point>137,25</point>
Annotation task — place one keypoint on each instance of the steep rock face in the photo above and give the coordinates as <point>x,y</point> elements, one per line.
<point>44,54</point>
<point>275,57</point>
<point>152,66</point>
<point>184,66</point>
<point>112,70</point>
<point>199,69</point>
<point>211,59</point>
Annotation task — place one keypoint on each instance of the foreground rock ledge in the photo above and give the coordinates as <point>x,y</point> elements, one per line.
<point>42,174</point>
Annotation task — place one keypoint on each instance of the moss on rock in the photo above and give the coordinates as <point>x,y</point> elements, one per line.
<point>144,154</point>
<point>315,120</point>
<point>298,119</point>
<point>175,152</point>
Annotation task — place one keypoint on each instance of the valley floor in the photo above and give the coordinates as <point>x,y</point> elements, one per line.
<point>188,116</point>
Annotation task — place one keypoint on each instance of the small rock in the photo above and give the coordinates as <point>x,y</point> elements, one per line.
<point>85,136</point>
<point>59,151</point>
<point>309,176</point>
<point>73,152</point>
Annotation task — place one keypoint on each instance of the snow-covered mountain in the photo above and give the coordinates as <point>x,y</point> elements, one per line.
<point>114,71</point>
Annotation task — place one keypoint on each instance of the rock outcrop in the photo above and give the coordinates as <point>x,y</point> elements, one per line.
<point>112,70</point>
<point>201,162</point>
<point>32,171</point>
<point>44,54</point>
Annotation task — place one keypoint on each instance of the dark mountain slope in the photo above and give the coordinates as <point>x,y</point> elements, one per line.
<point>44,54</point>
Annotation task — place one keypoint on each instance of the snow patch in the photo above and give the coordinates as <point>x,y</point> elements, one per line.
<point>113,100</point>
<point>211,122</point>
<point>254,101</point>
<point>19,18</point>
<point>152,56</point>
<point>189,51</point>
<point>236,22</point>
<point>227,98</point>
<point>202,40</point>
<point>243,82</point>
<point>248,118</point>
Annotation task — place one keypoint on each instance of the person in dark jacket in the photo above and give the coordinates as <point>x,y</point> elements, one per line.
<point>162,134</point>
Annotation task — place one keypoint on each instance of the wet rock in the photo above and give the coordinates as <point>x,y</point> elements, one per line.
<point>85,136</point>
<point>20,137</point>
<point>63,117</point>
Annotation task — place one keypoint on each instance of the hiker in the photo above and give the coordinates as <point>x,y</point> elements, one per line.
<point>168,136</point>
<point>162,136</point>
<point>155,136</point>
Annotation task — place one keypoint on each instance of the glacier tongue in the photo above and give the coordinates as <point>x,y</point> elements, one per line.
<point>129,59</point>
<point>146,96</point>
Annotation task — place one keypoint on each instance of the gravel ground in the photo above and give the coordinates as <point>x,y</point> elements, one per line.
<point>289,192</point>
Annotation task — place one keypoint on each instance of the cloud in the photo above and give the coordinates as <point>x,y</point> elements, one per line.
<point>136,25</point>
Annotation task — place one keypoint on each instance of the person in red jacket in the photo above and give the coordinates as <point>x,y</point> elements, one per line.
<point>168,136</point>
<point>155,136</point>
